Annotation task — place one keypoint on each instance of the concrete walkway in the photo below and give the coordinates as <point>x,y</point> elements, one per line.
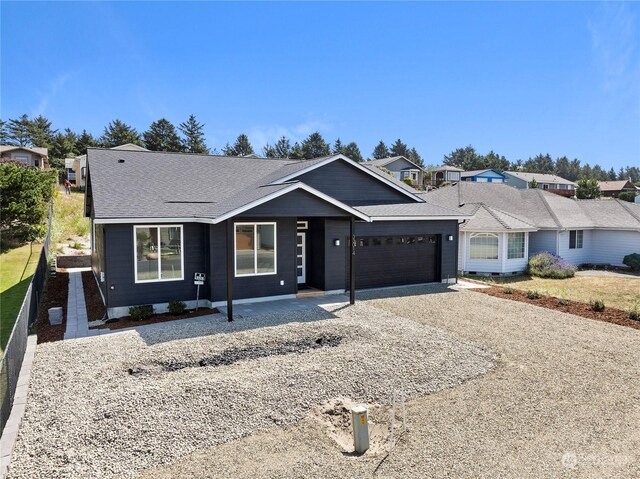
<point>77,322</point>
<point>283,305</point>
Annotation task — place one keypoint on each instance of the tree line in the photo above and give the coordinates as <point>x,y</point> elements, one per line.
<point>468,159</point>
<point>188,136</point>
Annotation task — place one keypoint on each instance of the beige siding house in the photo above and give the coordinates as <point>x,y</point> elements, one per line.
<point>30,156</point>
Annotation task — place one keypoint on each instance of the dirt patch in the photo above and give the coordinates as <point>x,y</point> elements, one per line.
<point>56,292</point>
<point>609,315</point>
<point>127,322</point>
<point>74,245</point>
<point>335,416</point>
<point>92,297</point>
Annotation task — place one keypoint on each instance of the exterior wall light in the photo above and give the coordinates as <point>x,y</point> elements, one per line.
<point>450,238</point>
<point>336,242</point>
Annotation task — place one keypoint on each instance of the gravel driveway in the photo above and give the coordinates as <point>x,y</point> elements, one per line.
<point>564,401</point>
<point>114,405</point>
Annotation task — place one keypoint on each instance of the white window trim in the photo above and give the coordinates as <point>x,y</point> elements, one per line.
<point>135,255</point>
<point>255,244</point>
<point>524,245</point>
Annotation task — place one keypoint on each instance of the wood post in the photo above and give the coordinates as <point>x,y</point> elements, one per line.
<point>230,268</point>
<point>352,271</point>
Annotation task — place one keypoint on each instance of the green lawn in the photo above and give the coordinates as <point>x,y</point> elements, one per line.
<point>17,266</point>
<point>617,292</point>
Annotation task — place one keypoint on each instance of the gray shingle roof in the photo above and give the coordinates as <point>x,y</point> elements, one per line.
<point>539,177</point>
<point>539,208</point>
<point>410,210</point>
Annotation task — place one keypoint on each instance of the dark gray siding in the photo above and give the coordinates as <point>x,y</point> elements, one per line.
<point>254,286</point>
<point>119,250</point>
<point>336,257</point>
<point>449,249</point>
<point>351,186</point>
<point>297,203</point>
<point>315,253</point>
<point>97,256</point>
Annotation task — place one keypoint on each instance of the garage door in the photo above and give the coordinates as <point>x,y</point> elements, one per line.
<point>395,260</point>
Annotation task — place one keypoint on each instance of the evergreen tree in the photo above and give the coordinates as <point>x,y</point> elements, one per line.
<point>399,149</point>
<point>338,147</point>
<point>85,140</point>
<point>611,175</point>
<point>465,158</point>
<point>496,161</point>
<point>42,135</point>
<point>19,131</point>
<point>118,133</point>
<point>282,149</point>
<point>588,189</point>
<point>296,152</point>
<point>193,132</point>
<point>562,167</point>
<point>539,164</point>
<point>4,135</point>
<point>242,147</point>
<point>380,151</point>
<point>352,152</point>
<point>63,146</point>
<point>315,146</point>
<point>415,157</point>
<point>162,136</point>
<point>574,170</point>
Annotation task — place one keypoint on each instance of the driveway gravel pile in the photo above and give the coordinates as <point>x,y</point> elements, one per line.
<point>115,405</point>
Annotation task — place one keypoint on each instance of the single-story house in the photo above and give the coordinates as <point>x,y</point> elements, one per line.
<point>401,168</point>
<point>510,225</point>
<point>614,188</point>
<point>552,183</point>
<point>482,176</point>
<point>29,155</point>
<point>257,228</point>
<point>445,174</point>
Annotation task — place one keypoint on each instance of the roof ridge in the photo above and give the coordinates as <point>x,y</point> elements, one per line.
<point>512,216</point>
<point>626,207</point>
<point>548,207</point>
<point>190,153</point>
<point>492,213</point>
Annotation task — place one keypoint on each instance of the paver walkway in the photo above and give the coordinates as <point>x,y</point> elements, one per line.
<point>77,322</point>
<point>283,305</point>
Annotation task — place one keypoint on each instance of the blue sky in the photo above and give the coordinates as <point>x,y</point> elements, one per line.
<point>518,78</point>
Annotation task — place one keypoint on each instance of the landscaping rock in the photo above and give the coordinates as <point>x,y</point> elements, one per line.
<point>55,316</point>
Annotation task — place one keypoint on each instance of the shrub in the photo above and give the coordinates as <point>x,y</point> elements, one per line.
<point>533,294</point>
<point>632,261</point>
<point>177,307</point>
<point>139,313</point>
<point>629,196</point>
<point>564,302</point>
<point>408,181</point>
<point>547,265</point>
<point>508,291</point>
<point>634,313</point>
<point>597,305</point>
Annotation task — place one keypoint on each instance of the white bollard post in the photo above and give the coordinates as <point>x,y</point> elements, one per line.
<point>360,423</point>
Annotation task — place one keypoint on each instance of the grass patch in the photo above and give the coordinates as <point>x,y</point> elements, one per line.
<point>68,218</point>
<point>620,293</point>
<point>17,266</point>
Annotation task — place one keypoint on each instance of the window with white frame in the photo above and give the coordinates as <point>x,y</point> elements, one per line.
<point>576,239</point>
<point>515,246</point>
<point>159,253</point>
<point>255,249</point>
<point>483,246</point>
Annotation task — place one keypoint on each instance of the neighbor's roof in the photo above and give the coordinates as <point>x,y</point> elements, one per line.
<point>32,149</point>
<point>383,162</point>
<point>616,185</point>
<point>130,147</point>
<point>478,172</point>
<point>539,177</point>
<point>538,208</point>
<point>128,184</point>
<point>446,168</point>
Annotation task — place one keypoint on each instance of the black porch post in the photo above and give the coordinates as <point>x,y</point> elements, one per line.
<point>230,248</point>
<point>352,271</point>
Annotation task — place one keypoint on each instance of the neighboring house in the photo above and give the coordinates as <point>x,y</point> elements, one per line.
<point>445,174</point>
<point>30,156</point>
<point>483,176</point>
<point>510,225</point>
<point>402,168</point>
<point>257,228</point>
<point>614,188</point>
<point>77,167</point>
<point>552,183</point>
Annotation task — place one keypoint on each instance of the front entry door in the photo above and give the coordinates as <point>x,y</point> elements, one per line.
<point>301,252</point>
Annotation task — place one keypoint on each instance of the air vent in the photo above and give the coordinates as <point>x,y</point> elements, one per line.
<point>120,160</point>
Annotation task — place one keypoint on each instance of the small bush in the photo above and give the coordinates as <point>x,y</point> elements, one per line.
<point>564,302</point>
<point>634,313</point>
<point>408,181</point>
<point>629,196</point>
<point>177,307</point>
<point>632,261</point>
<point>533,294</point>
<point>597,305</point>
<point>139,313</point>
<point>547,265</point>
<point>508,291</point>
